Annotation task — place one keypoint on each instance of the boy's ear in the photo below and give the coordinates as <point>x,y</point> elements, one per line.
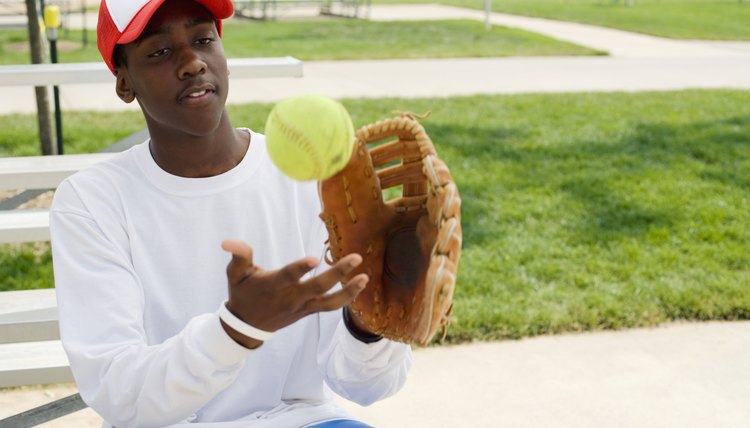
<point>122,86</point>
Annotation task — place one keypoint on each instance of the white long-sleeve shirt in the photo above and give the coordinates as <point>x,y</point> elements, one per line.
<point>140,274</point>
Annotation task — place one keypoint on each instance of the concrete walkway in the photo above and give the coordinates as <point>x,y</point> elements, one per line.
<point>680,375</point>
<point>683,375</point>
<point>617,43</point>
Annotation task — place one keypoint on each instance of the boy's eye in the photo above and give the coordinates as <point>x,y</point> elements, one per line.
<point>204,41</point>
<point>158,53</point>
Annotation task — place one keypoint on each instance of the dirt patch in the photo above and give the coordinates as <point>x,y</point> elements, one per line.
<point>6,194</point>
<point>43,201</point>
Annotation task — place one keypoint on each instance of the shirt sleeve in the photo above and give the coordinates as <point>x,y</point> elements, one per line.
<point>361,372</point>
<point>101,305</point>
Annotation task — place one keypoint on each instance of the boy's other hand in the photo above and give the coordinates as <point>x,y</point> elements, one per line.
<point>272,300</point>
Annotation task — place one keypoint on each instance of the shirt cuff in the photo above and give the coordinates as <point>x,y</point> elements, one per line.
<point>356,350</point>
<point>214,341</point>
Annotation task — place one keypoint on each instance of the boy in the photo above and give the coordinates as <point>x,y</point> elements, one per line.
<point>140,275</point>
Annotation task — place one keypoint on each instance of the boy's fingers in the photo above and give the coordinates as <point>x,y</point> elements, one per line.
<point>323,282</point>
<point>357,284</point>
<point>238,248</point>
<point>297,269</point>
<point>242,259</point>
<point>340,298</point>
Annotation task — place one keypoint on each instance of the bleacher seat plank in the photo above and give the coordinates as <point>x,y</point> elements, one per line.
<point>28,315</point>
<point>33,363</point>
<point>24,226</point>
<point>43,172</point>
<point>27,300</point>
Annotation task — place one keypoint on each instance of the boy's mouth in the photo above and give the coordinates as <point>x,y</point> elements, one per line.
<point>196,93</point>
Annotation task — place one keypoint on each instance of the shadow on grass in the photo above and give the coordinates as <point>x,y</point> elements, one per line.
<point>475,156</point>
<point>658,177</point>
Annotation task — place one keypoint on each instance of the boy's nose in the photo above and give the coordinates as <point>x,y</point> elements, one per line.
<point>191,64</point>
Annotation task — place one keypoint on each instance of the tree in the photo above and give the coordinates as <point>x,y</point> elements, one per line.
<point>39,56</point>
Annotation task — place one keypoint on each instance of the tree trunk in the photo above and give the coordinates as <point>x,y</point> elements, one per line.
<point>39,56</point>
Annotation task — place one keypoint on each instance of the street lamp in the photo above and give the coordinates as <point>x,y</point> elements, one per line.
<point>52,22</point>
<point>487,13</point>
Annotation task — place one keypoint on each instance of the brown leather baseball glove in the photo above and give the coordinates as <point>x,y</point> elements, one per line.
<point>410,244</point>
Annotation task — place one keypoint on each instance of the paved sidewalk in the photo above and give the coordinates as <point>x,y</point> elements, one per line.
<point>617,43</point>
<point>681,375</point>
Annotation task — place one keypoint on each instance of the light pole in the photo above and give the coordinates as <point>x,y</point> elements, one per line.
<point>487,13</point>
<point>52,22</point>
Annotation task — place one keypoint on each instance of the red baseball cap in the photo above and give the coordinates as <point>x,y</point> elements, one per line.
<point>122,21</point>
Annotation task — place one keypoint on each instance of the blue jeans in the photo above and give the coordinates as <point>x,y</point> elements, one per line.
<point>341,423</point>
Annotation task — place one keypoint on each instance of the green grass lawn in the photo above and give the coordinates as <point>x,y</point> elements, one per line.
<point>580,211</point>
<point>339,40</point>
<point>682,19</point>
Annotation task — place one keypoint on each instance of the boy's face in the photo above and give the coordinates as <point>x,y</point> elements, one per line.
<point>177,70</point>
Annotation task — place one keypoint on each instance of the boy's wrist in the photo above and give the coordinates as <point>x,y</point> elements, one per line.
<point>240,331</point>
<point>241,339</point>
<point>356,331</point>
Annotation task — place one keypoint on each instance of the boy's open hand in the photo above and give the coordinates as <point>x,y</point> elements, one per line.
<point>271,300</point>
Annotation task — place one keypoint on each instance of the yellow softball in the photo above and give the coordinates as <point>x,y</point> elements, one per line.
<point>309,137</point>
